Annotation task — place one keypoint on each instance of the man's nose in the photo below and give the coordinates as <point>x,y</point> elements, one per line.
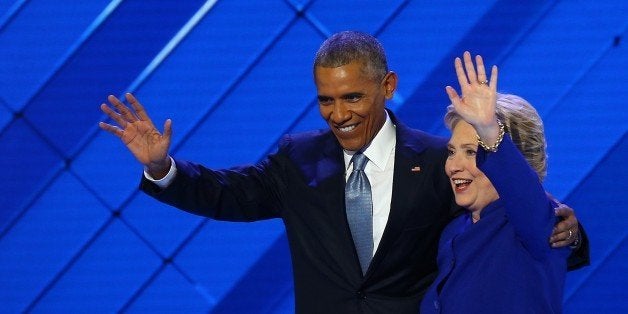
<point>341,113</point>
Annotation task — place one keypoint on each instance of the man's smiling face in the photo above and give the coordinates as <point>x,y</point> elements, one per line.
<point>352,103</point>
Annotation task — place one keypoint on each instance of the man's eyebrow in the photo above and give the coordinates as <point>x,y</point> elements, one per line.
<point>352,95</point>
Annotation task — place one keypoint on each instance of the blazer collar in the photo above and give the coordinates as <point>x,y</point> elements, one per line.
<point>407,156</point>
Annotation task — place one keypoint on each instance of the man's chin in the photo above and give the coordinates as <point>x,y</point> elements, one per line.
<point>350,145</point>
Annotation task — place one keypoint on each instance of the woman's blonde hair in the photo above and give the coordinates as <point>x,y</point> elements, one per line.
<point>524,125</point>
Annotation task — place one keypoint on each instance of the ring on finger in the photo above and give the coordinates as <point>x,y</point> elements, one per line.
<point>570,234</point>
<point>483,82</point>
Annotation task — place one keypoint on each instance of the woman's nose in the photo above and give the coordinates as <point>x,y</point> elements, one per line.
<point>453,165</point>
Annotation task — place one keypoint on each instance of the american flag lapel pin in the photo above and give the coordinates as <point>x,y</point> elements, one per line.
<point>415,169</point>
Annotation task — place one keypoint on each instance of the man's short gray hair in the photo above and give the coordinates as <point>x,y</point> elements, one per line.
<point>349,46</point>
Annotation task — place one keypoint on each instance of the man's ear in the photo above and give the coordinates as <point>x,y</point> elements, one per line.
<point>389,83</point>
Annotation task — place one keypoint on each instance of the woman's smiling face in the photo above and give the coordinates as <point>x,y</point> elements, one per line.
<point>472,189</point>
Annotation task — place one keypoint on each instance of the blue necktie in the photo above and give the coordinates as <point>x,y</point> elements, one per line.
<point>360,210</point>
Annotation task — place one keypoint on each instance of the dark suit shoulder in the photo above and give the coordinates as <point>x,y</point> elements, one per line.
<point>308,145</point>
<point>421,142</point>
<point>429,140</point>
<point>416,139</point>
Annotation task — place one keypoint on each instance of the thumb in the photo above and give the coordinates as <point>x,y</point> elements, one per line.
<point>168,130</point>
<point>453,95</point>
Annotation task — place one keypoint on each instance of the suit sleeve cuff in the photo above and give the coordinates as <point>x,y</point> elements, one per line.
<point>165,181</point>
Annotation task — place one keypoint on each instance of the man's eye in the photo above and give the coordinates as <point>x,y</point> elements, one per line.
<point>324,101</point>
<point>353,98</point>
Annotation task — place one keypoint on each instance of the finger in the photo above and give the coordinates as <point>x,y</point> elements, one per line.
<point>113,115</point>
<point>468,65</point>
<point>566,213</point>
<point>168,130</point>
<point>139,109</point>
<point>111,129</point>
<point>122,109</point>
<point>564,226</point>
<point>453,95</point>
<point>462,77</point>
<point>493,82</point>
<point>562,237</point>
<point>479,63</point>
<point>558,244</point>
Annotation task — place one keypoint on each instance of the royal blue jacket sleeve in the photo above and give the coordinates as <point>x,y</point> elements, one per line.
<point>527,206</point>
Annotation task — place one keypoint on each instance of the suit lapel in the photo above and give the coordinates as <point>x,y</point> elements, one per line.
<point>405,183</point>
<point>342,247</point>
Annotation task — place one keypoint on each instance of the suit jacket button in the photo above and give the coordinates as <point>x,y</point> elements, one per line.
<point>361,295</point>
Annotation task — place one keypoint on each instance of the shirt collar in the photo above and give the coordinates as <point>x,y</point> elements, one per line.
<point>378,151</point>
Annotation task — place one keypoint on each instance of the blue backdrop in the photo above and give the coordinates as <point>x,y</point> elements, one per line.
<point>75,234</point>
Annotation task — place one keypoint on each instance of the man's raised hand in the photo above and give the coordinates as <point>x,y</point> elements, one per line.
<point>136,130</point>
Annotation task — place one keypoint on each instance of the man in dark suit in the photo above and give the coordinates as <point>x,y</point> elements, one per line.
<point>305,182</point>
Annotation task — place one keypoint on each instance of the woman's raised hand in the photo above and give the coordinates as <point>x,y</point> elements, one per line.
<point>476,105</point>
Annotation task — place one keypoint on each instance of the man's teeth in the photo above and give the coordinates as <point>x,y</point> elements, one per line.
<point>347,128</point>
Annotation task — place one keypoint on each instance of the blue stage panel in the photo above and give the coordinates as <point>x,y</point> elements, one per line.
<point>170,293</point>
<point>33,47</point>
<point>605,290</point>
<point>66,108</point>
<point>286,305</point>
<point>310,119</point>
<point>338,16</point>
<point>45,239</point>
<point>108,168</point>
<point>26,163</point>
<point>211,60</point>
<point>266,283</point>
<point>105,275</point>
<point>222,252</point>
<point>422,35</point>
<point>7,5</point>
<point>164,226</point>
<point>249,121</point>
<point>5,115</point>
<point>600,202</point>
<point>546,63</point>
<point>587,122</point>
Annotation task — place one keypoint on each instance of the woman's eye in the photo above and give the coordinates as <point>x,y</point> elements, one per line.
<point>470,152</point>
<point>450,152</point>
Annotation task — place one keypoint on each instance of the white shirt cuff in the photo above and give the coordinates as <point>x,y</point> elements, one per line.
<point>165,181</point>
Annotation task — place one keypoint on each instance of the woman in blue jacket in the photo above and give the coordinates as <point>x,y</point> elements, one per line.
<point>496,257</point>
